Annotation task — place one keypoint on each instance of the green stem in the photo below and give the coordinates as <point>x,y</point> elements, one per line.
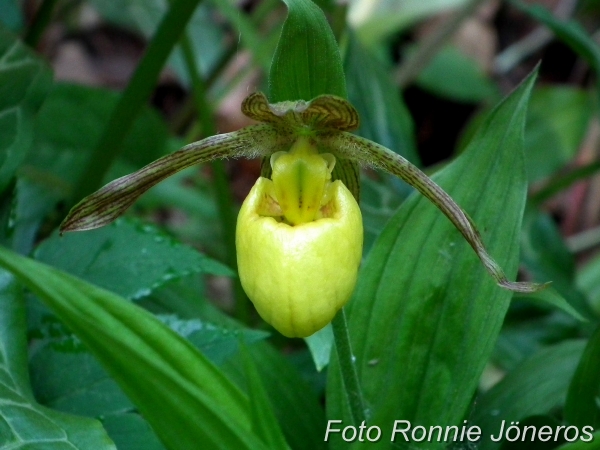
<point>432,44</point>
<point>40,22</point>
<point>135,96</point>
<point>224,197</point>
<point>348,370</point>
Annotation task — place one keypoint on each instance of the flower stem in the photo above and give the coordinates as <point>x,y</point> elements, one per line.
<point>135,96</point>
<point>221,183</point>
<point>348,370</point>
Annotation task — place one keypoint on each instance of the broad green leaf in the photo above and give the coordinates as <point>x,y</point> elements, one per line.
<point>294,403</point>
<point>264,423</point>
<point>23,422</point>
<point>536,386</point>
<point>72,120</point>
<point>425,315</point>
<point>384,118</point>
<point>463,80</point>
<point>216,341</point>
<point>128,258</point>
<point>66,377</point>
<point>583,400</point>
<point>546,257</point>
<point>24,81</point>
<point>557,121</point>
<point>67,128</point>
<point>131,432</point>
<point>307,61</point>
<point>183,396</point>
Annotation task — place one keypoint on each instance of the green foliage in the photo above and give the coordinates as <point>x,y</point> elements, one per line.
<point>108,338</point>
<point>307,62</point>
<point>442,285</point>
<point>130,259</point>
<point>24,81</point>
<point>24,423</point>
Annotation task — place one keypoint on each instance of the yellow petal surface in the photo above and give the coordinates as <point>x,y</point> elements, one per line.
<point>299,276</point>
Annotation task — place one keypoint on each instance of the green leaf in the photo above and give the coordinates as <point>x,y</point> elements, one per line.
<point>23,422</point>
<point>557,121</point>
<point>63,145</point>
<point>66,377</point>
<point>320,345</point>
<point>24,81</point>
<point>128,258</point>
<point>384,118</point>
<point>294,403</point>
<point>307,60</point>
<point>546,256</point>
<point>183,396</point>
<point>425,315</point>
<point>536,386</point>
<point>463,79</point>
<point>552,297</point>
<point>264,423</point>
<point>583,400</point>
<point>131,432</point>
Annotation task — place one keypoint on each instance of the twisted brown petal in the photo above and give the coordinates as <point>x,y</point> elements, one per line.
<point>105,205</point>
<point>361,150</point>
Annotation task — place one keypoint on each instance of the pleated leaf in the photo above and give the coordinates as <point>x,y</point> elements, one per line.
<point>307,61</point>
<point>425,315</point>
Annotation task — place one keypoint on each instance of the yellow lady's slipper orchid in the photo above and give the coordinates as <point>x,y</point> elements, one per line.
<point>299,236</point>
<point>299,242</point>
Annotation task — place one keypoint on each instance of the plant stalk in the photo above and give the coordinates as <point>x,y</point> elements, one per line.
<point>347,362</point>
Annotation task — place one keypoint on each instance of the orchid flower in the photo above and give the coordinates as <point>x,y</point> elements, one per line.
<point>299,232</point>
